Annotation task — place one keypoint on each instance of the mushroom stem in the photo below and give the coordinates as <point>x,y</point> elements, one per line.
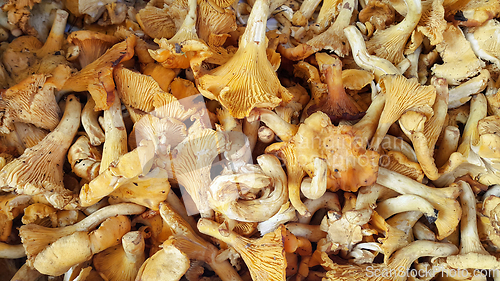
<point>329,200</point>
<point>337,104</point>
<point>90,123</point>
<point>250,129</point>
<point>378,66</point>
<point>35,237</point>
<point>448,145</point>
<point>368,124</point>
<point>312,233</point>
<point>56,36</point>
<point>8,251</point>
<point>404,203</point>
<point>441,198</point>
<point>115,144</point>
<point>284,130</point>
<point>472,253</point>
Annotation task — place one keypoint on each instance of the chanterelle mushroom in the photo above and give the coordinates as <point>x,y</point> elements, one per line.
<point>40,169</point>
<point>31,101</point>
<point>239,83</point>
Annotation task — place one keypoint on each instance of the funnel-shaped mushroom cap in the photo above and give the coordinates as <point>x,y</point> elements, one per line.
<point>31,101</point>
<point>91,45</point>
<point>264,257</point>
<point>167,105</point>
<point>402,95</point>
<point>97,77</point>
<point>398,162</point>
<point>40,169</point>
<point>248,79</point>
<point>192,161</point>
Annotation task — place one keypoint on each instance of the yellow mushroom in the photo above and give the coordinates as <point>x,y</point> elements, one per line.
<point>22,176</point>
<point>231,83</point>
<point>264,257</point>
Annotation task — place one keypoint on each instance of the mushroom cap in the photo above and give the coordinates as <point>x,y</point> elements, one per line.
<point>31,101</point>
<point>399,163</point>
<point>486,41</point>
<point>350,165</point>
<point>379,14</point>
<point>97,77</point>
<point>40,169</point>
<point>460,61</point>
<point>135,89</point>
<point>156,22</point>
<point>215,24</point>
<point>91,44</point>
<point>432,23</point>
<point>356,79</point>
<point>167,264</point>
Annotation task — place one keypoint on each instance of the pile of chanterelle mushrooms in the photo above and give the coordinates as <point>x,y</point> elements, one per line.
<point>249,140</point>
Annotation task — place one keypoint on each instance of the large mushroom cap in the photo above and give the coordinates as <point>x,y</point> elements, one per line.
<point>91,45</point>
<point>31,101</point>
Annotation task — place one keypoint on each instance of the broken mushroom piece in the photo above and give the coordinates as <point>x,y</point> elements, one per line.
<point>85,159</point>
<point>40,169</point>
<point>90,122</point>
<point>231,83</point>
<point>264,257</point>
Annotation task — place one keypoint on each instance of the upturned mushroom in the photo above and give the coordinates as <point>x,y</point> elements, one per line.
<point>389,43</point>
<point>31,101</point>
<point>40,169</point>
<point>91,45</point>
<point>264,256</point>
<point>401,95</point>
<point>192,160</point>
<point>231,83</point>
